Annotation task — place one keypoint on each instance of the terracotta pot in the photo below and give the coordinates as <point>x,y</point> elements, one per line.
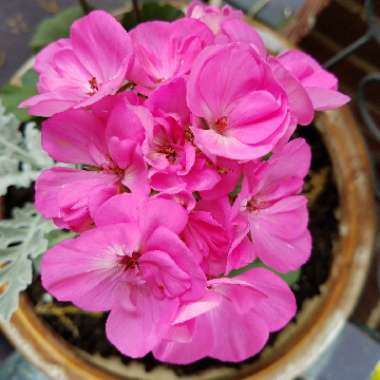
<point>320,320</point>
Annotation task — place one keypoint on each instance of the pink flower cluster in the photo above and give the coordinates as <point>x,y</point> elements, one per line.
<point>162,124</point>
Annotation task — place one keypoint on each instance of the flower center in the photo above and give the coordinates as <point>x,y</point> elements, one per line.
<point>169,153</point>
<point>129,262</point>
<point>94,86</point>
<point>221,124</point>
<point>252,205</point>
<point>221,170</point>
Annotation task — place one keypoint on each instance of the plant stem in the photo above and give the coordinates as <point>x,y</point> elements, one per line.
<point>85,6</point>
<point>136,9</point>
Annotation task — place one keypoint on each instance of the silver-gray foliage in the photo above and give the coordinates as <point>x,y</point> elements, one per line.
<point>21,155</point>
<point>22,239</point>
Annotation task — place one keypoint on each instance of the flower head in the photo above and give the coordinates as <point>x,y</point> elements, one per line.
<point>276,213</point>
<point>232,321</point>
<point>136,266</point>
<point>179,42</point>
<point>321,86</point>
<point>110,156</point>
<point>212,16</point>
<point>78,71</point>
<point>176,163</point>
<point>240,112</point>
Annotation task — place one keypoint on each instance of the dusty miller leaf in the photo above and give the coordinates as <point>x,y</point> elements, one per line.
<point>21,155</point>
<point>22,239</point>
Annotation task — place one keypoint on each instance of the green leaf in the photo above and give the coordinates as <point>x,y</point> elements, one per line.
<point>30,78</point>
<point>22,239</point>
<point>290,277</point>
<point>237,188</point>
<point>267,156</point>
<point>21,155</point>
<point>12,95</point>
<point>255,264</point>
<point>55,27</point>
<point>152,11</point>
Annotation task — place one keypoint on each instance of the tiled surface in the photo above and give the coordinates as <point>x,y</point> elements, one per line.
<point>16,368</point>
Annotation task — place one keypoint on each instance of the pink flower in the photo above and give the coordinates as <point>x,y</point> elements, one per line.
<point>217,237</point>
<point>237,30</point>
<point>296,69</point>
<point>277,215</point>
<point>166,50</point>
<point>184,198</point>
<point>78,71</point>
<point>299,103</point>
<point>240,111</point>
<point>212,16</point>
<point>169,147</point>
<point>230,172</point>
<point>70,196</point>
<point>111,155</point>
<point>133,264</point>
<point>207,236</point>
<point>232,321</point>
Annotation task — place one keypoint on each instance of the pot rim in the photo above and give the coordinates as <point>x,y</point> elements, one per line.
<point>351,166</point>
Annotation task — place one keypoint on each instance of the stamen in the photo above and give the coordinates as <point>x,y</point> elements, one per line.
<point>189,135</point>
<point>252,205</point>
<point>222,170</point>
<point>94,87</point>
<point>221,124</point>
<point>129,262</point>
<point>169,153</point>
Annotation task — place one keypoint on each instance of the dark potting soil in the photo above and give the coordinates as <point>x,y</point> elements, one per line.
<point>87,331</point>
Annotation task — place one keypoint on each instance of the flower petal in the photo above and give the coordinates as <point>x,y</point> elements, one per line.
<point>240,31</point>
<point>102,45</point>
<point>167,241</point>
<point>219,145</point>
<point>75,137</point>
<point>137,332</point>
<point>281,254</point>
<point>279,305</point>
<point>84,270</point>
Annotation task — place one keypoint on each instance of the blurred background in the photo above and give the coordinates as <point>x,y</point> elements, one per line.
<point>342,34</point>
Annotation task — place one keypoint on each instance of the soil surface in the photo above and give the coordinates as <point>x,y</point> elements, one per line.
<point>87,331</point>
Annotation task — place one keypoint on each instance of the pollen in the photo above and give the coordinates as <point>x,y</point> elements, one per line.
<point>189,135</point>
<point>221,170</point>
<point>94,87</point>
<point>169,153</point>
